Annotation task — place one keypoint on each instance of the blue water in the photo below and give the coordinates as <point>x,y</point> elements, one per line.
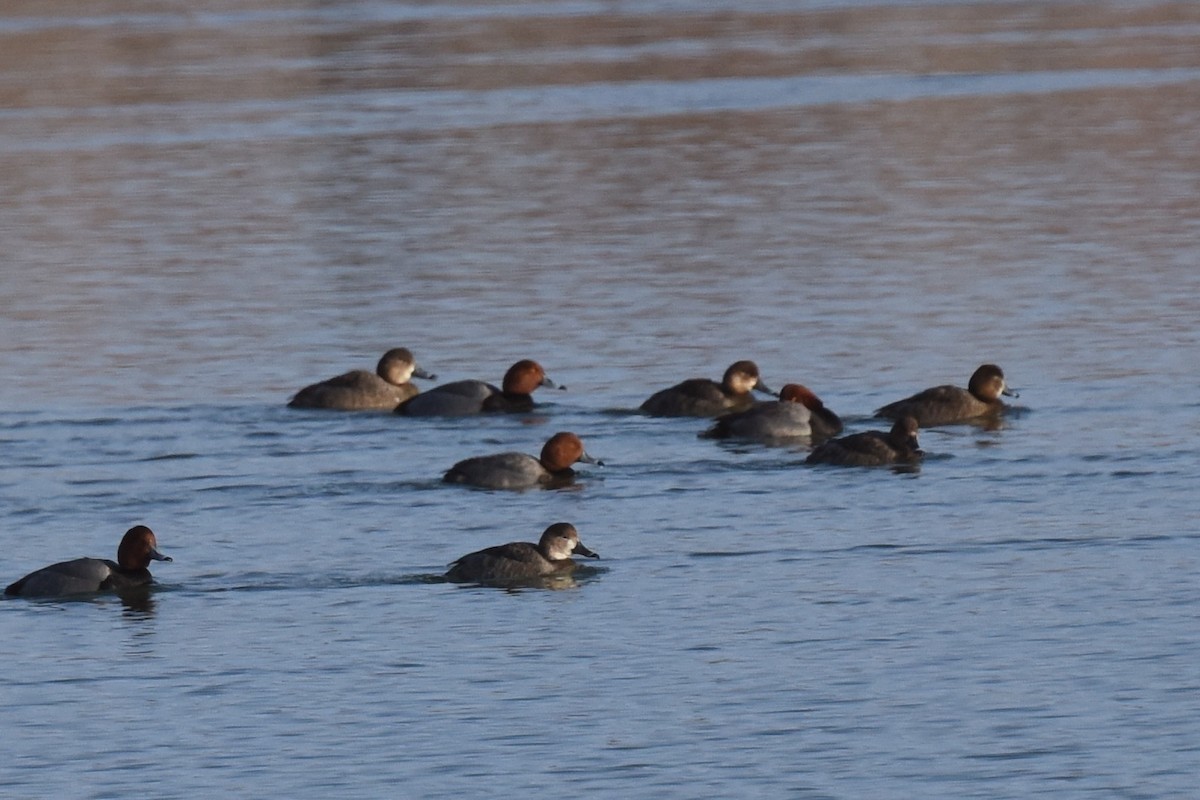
<point>205,211</point>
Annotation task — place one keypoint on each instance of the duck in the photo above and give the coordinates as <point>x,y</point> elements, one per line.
<point>464,398</point>
<point>518,562</point>
<point>946,405</point>
<point>797,414</point>
<point>513,470</point>
<point>359,390</point>
<point>92,575</point>
<point>871,448</point>
<point>701,397</point>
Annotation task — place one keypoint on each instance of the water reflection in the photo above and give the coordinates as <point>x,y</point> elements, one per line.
<point>138,605</point>
<point>581,575</point>
<point>553,583</point>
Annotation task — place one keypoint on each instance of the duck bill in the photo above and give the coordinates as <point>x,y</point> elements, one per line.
<point>1007,392</point>
<point>583,551</point>
<point>157,556</point>
<point>549,384</point>
<point>586,459</point>
<point>424,374</point>
<point>762,387</point>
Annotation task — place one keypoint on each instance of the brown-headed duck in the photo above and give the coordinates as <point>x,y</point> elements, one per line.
<point>463,398</point>
<point>797,414</point>
<point>90,575</point>
<point>521,471</point>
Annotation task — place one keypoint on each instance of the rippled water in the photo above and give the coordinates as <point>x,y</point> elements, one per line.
<point>208,207</point>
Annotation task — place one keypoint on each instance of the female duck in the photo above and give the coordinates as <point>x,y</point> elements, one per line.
<point>701,397</point>
<point>463,398</point>
<point>523,561</point>
<point>872,448</point>
<point>797,414</point>
<point>944,405</point>
<point>359,390</point>
<point>89,575</point>
<point>520,471</point>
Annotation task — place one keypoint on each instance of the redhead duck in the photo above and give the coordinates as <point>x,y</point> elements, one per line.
<point>463,398</point>
<point>359,390</point>
<point>797,414</point>
<point>520,471</point>
<point>89,575</point>
<point>701,397</point>
<point>518,562</point>
<point>872,448</point>
<point>944,405</point>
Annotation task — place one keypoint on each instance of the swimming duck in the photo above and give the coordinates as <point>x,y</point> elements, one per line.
<point>89,575</point>
<point>359,390</point>
<point>701,397</point>
<point>871,448</point>
<point>520,471</point>
<point>797,414</point>
<point>462,398</point>
<point>523,561</point>
<point>944,405</point>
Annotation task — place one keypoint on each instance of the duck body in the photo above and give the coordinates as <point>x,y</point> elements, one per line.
<point>701,397</point>
<point>871,448</point>
<point>468,397</point>
<point>507,471</point>
<point>79,576</point>
<point>513,470</point>
<point>91,575</point>
<point>523,561</point>
<point>948,404</point>
<point>359,390</point>
<point>798,414</point>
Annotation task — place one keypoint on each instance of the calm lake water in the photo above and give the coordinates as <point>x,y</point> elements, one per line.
<point>209,205</point>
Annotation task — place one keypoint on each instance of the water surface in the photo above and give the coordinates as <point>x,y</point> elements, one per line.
<point>208,207</point>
